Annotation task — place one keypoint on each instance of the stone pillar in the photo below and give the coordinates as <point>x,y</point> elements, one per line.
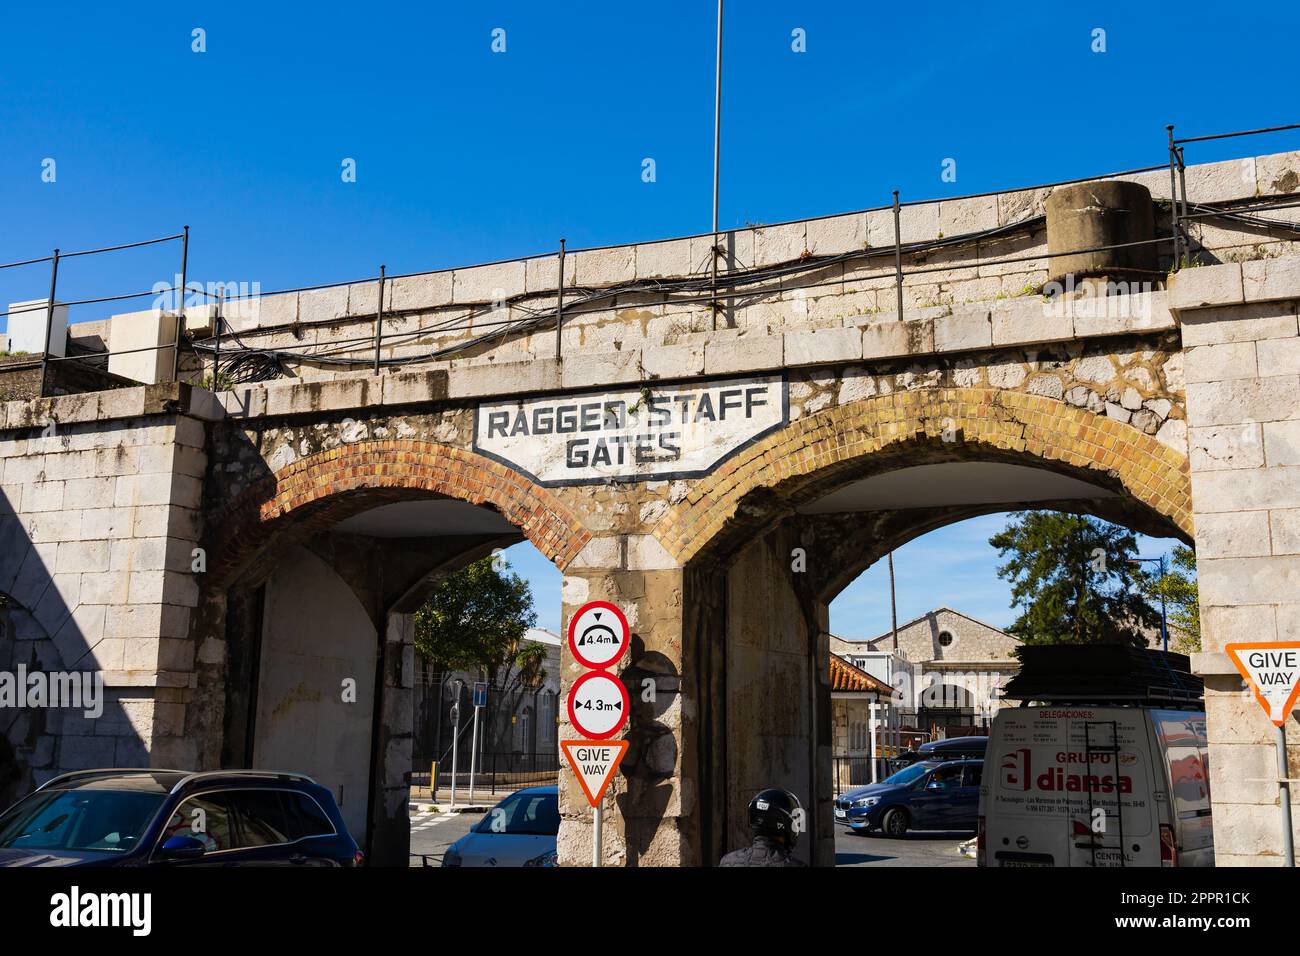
<point>650,807</point>
<point>1242,353</point>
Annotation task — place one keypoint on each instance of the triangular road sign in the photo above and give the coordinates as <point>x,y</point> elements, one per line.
<point>1272,669</point>
<point>594,763</point>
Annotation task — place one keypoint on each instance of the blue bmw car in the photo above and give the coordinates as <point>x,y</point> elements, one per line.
<point>930,795</point>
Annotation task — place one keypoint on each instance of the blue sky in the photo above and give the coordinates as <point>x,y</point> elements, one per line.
<point>465,155</point>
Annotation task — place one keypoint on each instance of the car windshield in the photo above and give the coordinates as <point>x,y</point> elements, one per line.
<point>534,814</point>
<point>909,775</point>
<point>102,821</point>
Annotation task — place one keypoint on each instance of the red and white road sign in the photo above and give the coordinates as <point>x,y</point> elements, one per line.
<point>598,705</point>
<point>1272,669</point>
<point>594,763</point>
<point>598,634</point>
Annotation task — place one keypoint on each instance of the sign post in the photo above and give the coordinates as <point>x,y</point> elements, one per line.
<point>455,742</point>
<point>1272,670</point>
<point>480,701</point>
<point>598,706</point>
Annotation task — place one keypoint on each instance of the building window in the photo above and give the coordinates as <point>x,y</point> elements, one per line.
<point>945,638</point>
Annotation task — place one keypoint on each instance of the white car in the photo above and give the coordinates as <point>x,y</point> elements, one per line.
<point>518,831</point>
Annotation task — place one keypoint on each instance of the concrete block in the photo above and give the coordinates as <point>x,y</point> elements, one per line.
<point>1246,489</point>
<point>121,403</point>
<point>1250,400</point>
<point>420,292</point>
<point>323,305</point>
<point>602,553</point>
<point>1031,319</point>
<point>542,273</point>
<point>958,217</point>
<point>1278,356</point>
<point>82,556</point>
<point>657,260</point>
<point>153,331</point>
<point>1232,535</point>
<point>1217,363</point>
<point>471,381</point>
<point>261,312</point>
<point>776,244</point>
<point>401,388</point>
<point>1282,443</point>
<point>888,338</point>
<point>1264,279</point>
<point>1139,311</point>
<point>743,354</point>
<point>1206,286</point>
<point>645,553</point>
<point>306,397</point>
<point>1248,323</point>
<point>963,331</point>
<point>492,283</point>
<point>672,361</point>
<point>43,496</point>
<point>916,224</point>
<point>601,369</point>
<point>1285,526</point>
<point>835,235</point>
<point>822,347</point>
<point>1225,447</point>
<point>1247,580</point>
<point>603,267</point>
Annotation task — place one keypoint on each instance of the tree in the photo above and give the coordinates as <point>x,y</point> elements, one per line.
<point>1073,580</point>
<point>475,620</point>
<point>1182,598</point>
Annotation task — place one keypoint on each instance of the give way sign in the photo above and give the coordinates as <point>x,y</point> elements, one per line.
<point>1272,669</point>
<point>594,763</point>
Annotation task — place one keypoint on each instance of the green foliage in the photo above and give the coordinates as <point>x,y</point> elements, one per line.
<point>1182,600</point>
<point>1073,581</point>
<point>476,620</point>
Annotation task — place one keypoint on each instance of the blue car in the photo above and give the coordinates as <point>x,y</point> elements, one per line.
<point>521,830</point>
<point>930,795</point>
<point>176,818</point>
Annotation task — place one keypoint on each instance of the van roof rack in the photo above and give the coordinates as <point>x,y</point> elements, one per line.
<point>1103,673</point>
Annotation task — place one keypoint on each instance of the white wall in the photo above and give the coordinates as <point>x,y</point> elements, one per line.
<point>315,634</point>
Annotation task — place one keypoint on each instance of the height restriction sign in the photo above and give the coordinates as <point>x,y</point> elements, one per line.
<point>598,634</point>
<point>598,705</point>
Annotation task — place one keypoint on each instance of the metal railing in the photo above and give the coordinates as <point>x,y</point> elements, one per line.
<point>701,287</point>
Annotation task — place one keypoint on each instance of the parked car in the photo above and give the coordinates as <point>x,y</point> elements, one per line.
<point>953,748</point>
<point>177,818</point>
<point>1097,786</point>
<point>929,795</point>
<point>518,831</point>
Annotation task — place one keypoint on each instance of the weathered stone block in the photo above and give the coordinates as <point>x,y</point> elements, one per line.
<point>492,283</point>
<point>1247,323</point>
<point>963,331</point>
<point>1206,286</point>
<point>743,354</point>
<point>1232,535</point>
<point>822,347</point>
<point>604,267</point>
<point>672,361</point>
<point>1030,320</point>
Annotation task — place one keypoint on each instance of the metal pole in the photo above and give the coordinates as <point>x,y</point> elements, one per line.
<point>898,263</point>
<point>893,604</point>
<point>1164,618</point>
<point>596,854</point>
<point>216,348</point>
<point>1173,195</point>
<point>1284,797</point>
<point>379,326</point>
<point>473,753</point>
<point>1183,220</point>
<point>559,304</point>
<point>49,320</point>
<point>717,159</point>
<point>180,306</point>
<point>455,743</point>
<point>875,725</point>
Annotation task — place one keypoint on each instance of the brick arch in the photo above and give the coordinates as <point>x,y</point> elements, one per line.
<point>817,453</point>
<point>329,486</point>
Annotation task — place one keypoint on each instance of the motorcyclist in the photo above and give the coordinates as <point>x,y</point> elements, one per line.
<point>775,819</point>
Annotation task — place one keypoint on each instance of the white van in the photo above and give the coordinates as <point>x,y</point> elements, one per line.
<point>1073,785</point>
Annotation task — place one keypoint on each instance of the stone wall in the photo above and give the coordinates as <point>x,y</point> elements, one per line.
<point>1242,345</point>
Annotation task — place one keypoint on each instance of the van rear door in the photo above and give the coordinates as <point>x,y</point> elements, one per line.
<point>1180,737</point>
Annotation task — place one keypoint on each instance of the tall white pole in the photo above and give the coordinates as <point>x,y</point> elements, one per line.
<point>875,724</point>
<point>455,745</point>
<point>596,836</point>
<point>717,158</point>
<point>473,755</point>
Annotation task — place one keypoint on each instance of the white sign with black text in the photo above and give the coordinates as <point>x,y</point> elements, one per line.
<point>655,432</point>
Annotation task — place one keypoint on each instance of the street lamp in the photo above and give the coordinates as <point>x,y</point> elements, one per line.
<point>1164,626</point>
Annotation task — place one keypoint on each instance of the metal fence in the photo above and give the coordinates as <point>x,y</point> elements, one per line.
<point>705,288</point>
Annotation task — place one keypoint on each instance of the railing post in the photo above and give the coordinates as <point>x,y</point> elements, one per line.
<point>1182,183</point>
<point>216,330</point>
<point>49,321</point>
<point>379,319</point>
<point>1173,195</point>
<point>559,302</point>
<point>898,255</point>
<point>180,306</point>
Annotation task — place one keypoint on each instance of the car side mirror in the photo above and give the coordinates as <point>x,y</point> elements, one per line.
<point>182,848</point>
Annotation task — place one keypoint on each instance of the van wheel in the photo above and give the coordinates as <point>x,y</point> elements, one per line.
<point>894,823</point>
